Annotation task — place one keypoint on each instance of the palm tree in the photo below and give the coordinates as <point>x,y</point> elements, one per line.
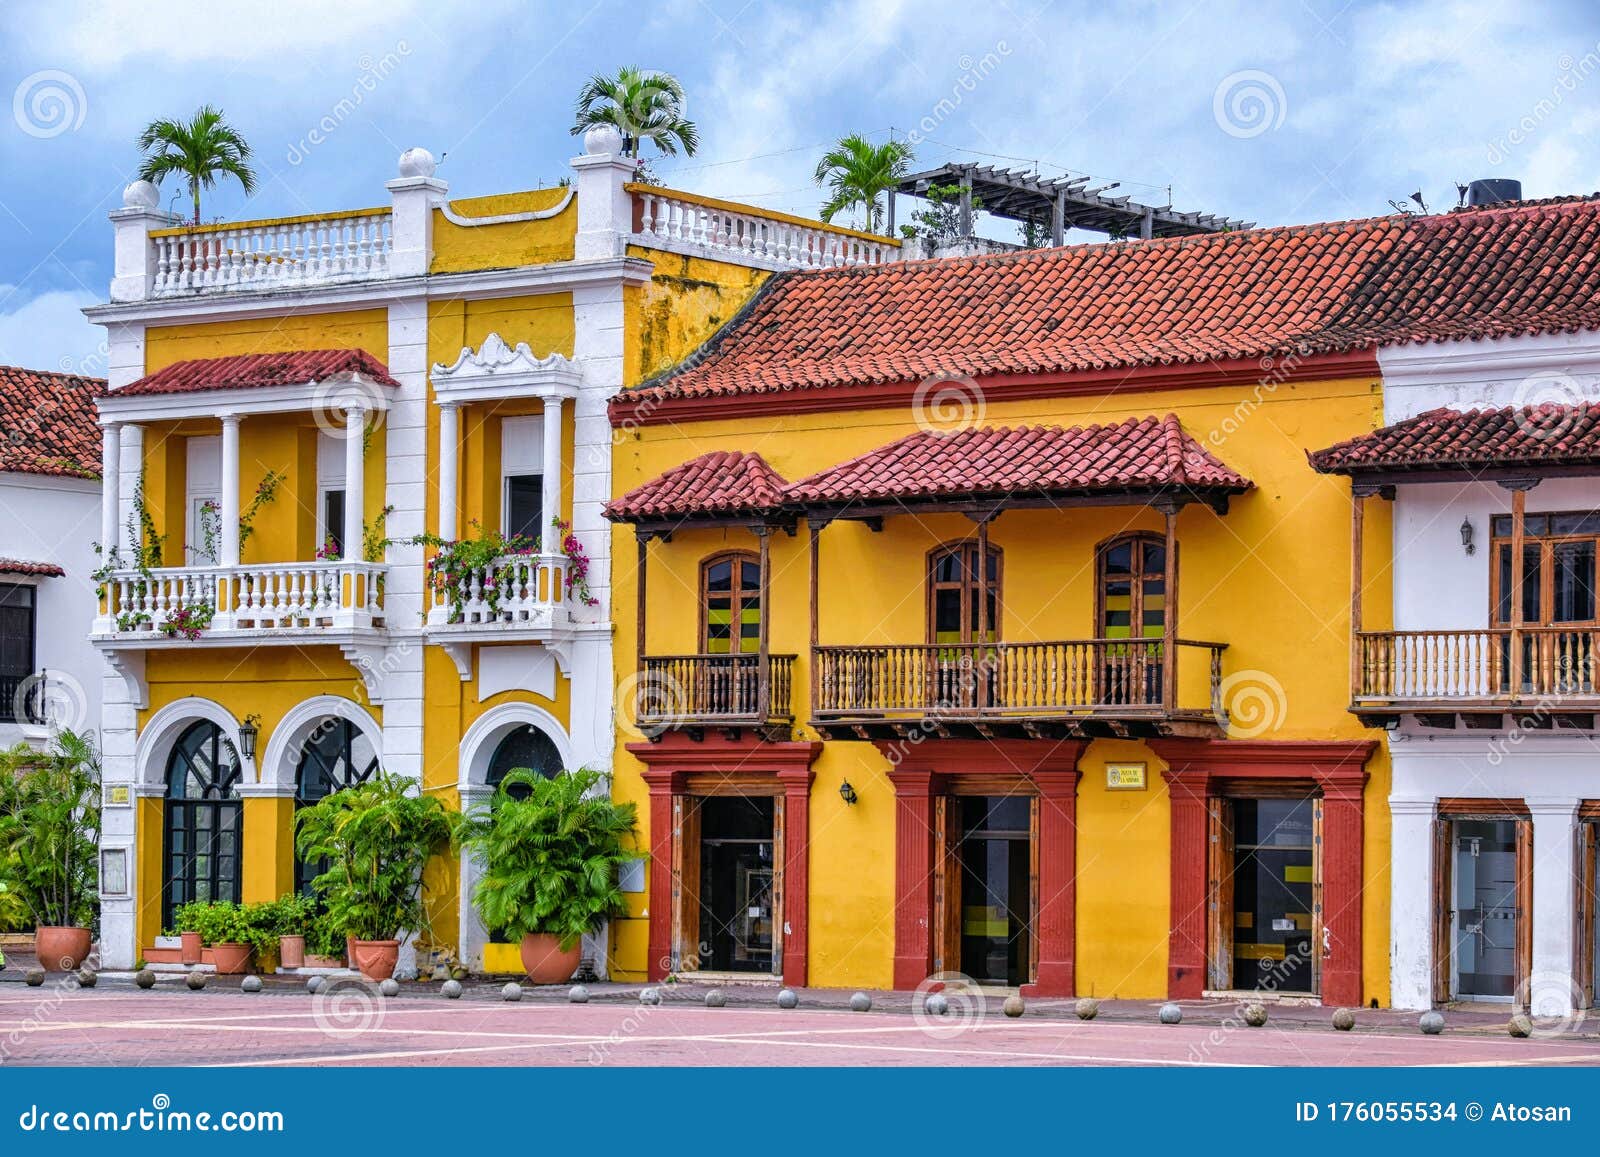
<point>642,105</point>
<point>857,171</point>
<point>199,151</point>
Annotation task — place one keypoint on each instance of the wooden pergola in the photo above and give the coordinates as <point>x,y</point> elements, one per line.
<point>1066,202</point>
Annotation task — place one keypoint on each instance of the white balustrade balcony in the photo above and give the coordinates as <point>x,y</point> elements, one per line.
<point>285,253</point>
<point>668,220</point>
<point>516,592</point>
<point>290,599</point>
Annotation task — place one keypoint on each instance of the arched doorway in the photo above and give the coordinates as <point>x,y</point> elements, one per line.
<point>524,747</point>
<point>336,755</point>
<point>203,828</point>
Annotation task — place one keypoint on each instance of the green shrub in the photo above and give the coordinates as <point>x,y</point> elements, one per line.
<point>551,850</point>
<point>50,830</point>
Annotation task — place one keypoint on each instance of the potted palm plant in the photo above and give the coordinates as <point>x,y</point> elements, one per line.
<point>551,850</point>
<point>376,838</point>
<point>50,835</point>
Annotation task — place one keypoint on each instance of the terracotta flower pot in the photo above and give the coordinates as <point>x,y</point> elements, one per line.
<point>292,951</point>
<point>375,959</point>
<point>189,948</point>
<point>61,949</point>
<point>543,960</point>
<point>231,959</point>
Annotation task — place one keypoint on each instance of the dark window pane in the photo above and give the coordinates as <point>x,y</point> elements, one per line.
<point>333,519</point>
<point>1572,582</point>
<point>524,506</point>
<point>719,576</point>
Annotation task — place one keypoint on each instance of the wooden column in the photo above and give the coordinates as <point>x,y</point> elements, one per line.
<point>815,529</point>
<point>966,204</point>
<point>913,876</point>
<point>663,785</point>
<point>1186,947</point>
<point>1058,874</point>
<point>641,613</point>
<point>980,675</point>
<point>1169,617</point>
<point>1519,509</point>
<point>1341,889</point>
<point>796,872</point>
<point>1358,515</point>
<point>1058,221</point>
<point>763,646</point>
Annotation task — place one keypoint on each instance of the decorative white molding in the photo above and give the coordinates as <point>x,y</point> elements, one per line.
<point>340,391</point>
<point>463,220</point>
<point>367,657</point>
<point>158,735</point>
<point>290,733</point>
<point>459,652</point>
<point>1511,371</point>
<point>128,665</point>
<point>497,370</point>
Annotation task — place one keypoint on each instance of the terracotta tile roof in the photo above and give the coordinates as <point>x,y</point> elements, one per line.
<point>1444,439</point>
<point>247,371</point>
<point>39,569</point>
<point>1141,454</point>
<point>724,483</point>
<point>1308,289</point>
<point>49,423</point>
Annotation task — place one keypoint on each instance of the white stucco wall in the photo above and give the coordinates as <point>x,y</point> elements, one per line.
<point>56,520</point>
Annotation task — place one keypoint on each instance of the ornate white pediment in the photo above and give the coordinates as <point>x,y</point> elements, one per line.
<point>498,370</point>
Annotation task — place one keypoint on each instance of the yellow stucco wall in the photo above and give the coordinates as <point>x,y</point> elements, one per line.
<point>1270,578</point>
<point>688,299</point>
<point>461,249</point>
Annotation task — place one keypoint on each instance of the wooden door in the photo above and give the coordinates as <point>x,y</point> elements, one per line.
<point>1443,909</point>
<point>1032,970</point>
<point>686,947</point>
<point>1587,864</point>
<point>946,884</point>
<point>1321,949</point>
<point>778,857</point>
<point>1219,876</point>
<point>1524,962</point>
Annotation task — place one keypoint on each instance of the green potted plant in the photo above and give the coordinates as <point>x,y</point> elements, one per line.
<point>551,850</point>
<point>376,838</point>
<point>290,917</point>
<point>50,834</point>
<point>235,933</point>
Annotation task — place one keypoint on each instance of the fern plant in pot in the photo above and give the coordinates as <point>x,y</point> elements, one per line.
<point>376,838</point>
<point>550,850</point>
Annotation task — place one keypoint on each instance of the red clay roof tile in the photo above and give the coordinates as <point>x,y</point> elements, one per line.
<point>724,483</point>
<point>49,423</point>
<point>1445,439</point>
<point>36,569</point>
<point>247,371</point>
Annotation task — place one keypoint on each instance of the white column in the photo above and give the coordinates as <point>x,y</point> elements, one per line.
<point>605,207</point>
<point>414,194</point>
<point>449,469</point>
<point>1553,990</point>
<point>355,428</point>
<point>1411,903</point>
<point>110,486</point>
<point>228,516</point>
<point>550,496</point>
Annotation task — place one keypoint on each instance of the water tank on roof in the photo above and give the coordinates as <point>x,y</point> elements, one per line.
<point>1493,190</point>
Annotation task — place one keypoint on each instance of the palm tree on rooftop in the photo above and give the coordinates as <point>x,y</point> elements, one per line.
<point>858,171</point>
<point>641,104</point>
<point>199,150</point>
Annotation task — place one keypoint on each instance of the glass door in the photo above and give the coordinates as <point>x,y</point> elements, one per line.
<point>996,900</point>
<point>1483,925</point>
<point>736,883</point>
<point>1274,894</point>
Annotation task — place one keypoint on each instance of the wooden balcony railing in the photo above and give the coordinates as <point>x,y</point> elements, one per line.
<point>1486,668</point>
<point>1110,677</point>
<point>714,690</point>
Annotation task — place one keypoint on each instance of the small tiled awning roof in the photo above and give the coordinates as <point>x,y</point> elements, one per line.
<point>722,484</point>
<point>1141,457</point>
<point>35,569</point>
<point>249,371</point>
<point>49,423</point>
<point>1454,442</point>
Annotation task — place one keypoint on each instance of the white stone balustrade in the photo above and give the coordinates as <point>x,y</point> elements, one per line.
<point>273,254</point>
<point>518,590</point>
<point>276,597</point>
<point>666,219</point>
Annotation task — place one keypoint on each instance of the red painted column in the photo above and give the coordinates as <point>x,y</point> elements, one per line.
<point>1186,949</point>
<point>1341,891</point>
<point>663,785</point>
<point>913,876</point>
<point>1058,883</point>
<point>796,873</point>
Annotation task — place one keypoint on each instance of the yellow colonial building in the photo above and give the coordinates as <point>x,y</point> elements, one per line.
<point>306,419</point>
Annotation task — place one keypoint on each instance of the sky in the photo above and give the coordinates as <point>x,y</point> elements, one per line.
<point>1302,110</point>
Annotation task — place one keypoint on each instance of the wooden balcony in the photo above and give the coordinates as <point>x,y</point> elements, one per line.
<point>1083,687</point>
<point>1546,674</point>
<point>728,691</point>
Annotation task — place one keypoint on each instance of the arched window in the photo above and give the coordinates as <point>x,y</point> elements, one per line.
<point>525,747</point>
<point>953,592</point>
<point>336,755</point>
<point>1131,585</point>
<point>202,829</point>
<point>730,604</point>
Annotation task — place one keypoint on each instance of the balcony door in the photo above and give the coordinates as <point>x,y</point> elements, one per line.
<point>1559,554</point>
<point>1131,616</point>
<point>958,591</point>
<point>203,493</point>
<point>730,628</point>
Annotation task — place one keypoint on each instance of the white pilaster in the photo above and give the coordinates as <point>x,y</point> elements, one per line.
<point>550,497</point>
<point>449,469</point>
<point>133,274</point>
<point>228,531</point>
<point>414,194</point>
<point>110,482</point>
<point>132,462</point>
<point>605,207</point>
<point>1411,903</point>
<point>355,480</point>
<point>1552,990</point>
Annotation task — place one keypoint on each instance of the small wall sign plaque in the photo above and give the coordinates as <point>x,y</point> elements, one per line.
<point>118,795</point>
<point>1125,776</point>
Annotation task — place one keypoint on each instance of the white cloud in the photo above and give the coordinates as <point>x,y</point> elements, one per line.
<point>49,332</point>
